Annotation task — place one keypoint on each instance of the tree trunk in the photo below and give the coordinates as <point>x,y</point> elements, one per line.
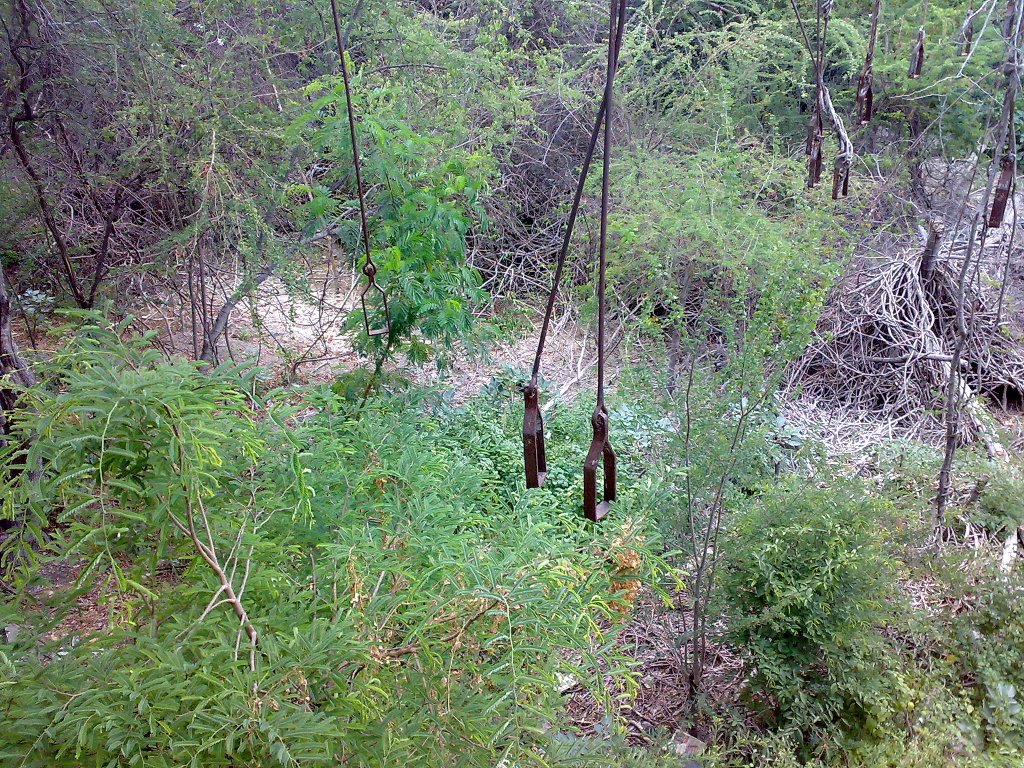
<point>209,356</point>
<point>15,373</point>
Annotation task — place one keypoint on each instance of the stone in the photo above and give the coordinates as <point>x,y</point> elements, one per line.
<point>686,745</point>
<point>565,682</point>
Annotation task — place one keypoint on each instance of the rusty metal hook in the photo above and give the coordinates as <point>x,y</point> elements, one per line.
<point>813,148</point>
<point>866,96</point>
<point>865,86</point>
<point>841,178</point>
<point>1004,187</point>
<point>534,454</point>
<point>917,57</point>
<point>600,451</point>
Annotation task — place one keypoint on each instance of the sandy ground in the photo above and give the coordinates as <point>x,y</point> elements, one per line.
<point>302,339</point>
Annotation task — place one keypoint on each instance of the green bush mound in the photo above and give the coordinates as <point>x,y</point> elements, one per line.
<point>805,585</point>
<point>982,640</point>
<point>1002,504</point>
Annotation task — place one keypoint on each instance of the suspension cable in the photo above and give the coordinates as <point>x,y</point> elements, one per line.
<point>601,451</point>
<point>602,258</point>
<point>369,267</point>
<point>534,454</point>
<point>573,213</point>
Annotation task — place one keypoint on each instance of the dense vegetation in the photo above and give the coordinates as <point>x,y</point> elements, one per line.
<point>224,546</point>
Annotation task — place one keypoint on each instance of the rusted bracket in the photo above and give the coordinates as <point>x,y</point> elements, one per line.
<point>814,164</point>
<point>534,456</point>
<point>814,149</point>
<point>1004,188</point>
<point>866,96</point>
<point>841,178</point>
<point>865,85</point>
<point>600,451</point>
<point>917,56</point>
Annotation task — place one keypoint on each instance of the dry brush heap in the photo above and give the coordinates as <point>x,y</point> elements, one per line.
<point>885,340</point>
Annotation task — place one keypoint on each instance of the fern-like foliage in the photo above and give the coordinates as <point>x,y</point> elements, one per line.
<point>407,605</point>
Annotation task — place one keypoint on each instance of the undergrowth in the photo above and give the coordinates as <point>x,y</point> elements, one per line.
<point>309,577</point>
<point>408,603</point>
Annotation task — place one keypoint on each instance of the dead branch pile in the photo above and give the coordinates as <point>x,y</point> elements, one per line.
<point>883,344</point>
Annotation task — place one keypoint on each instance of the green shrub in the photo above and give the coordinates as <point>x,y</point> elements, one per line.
<point>988,654</point>
<point>423,212</point>
<point>356,385</point>
<point>1002,503</point>
<point>805,584</point>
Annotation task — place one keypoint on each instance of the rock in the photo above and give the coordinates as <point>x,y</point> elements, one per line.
<point>11,632</point>
<point>686,745</point>
<point>565,682</point>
